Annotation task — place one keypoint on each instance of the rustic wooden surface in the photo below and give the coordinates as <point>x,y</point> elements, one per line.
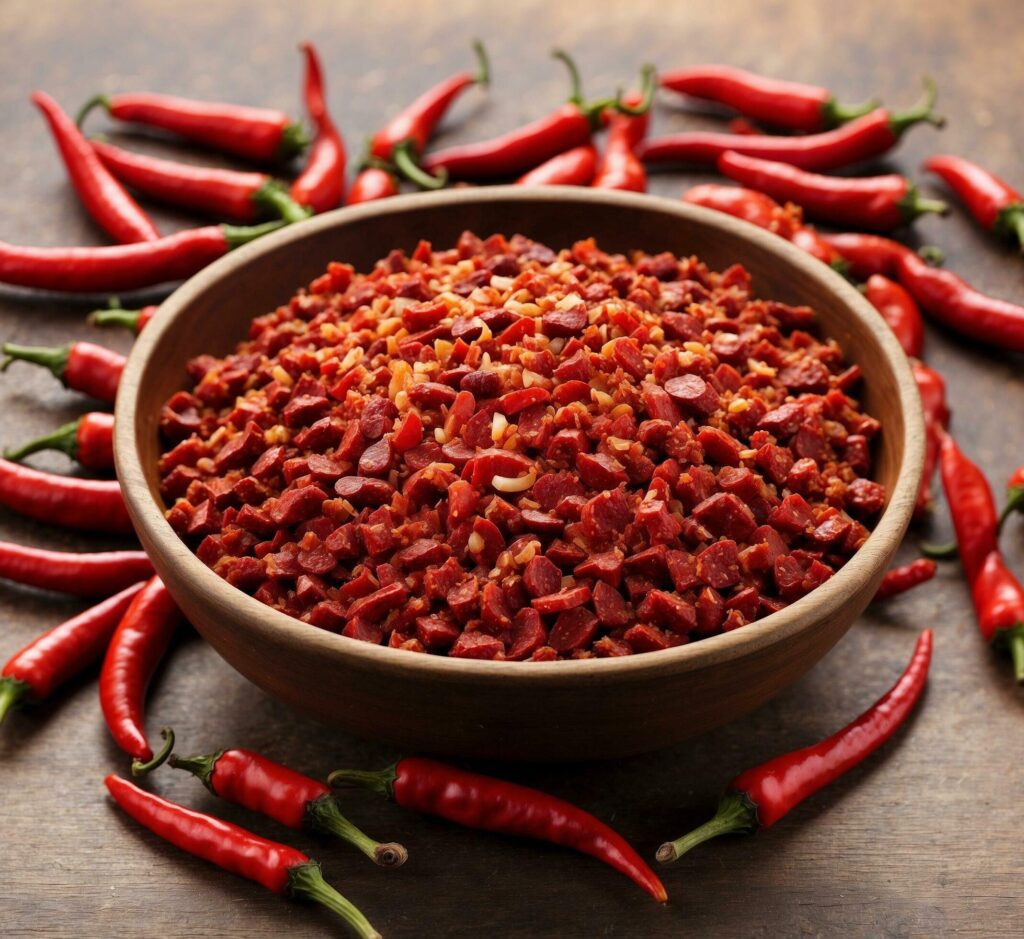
<point>923,840</point>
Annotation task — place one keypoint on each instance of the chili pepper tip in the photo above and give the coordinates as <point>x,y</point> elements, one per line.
<point>735,815</point>
<point>140,768</point>
<point>12,691</point>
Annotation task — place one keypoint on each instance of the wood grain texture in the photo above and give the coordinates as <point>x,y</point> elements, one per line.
<point>921,841</point>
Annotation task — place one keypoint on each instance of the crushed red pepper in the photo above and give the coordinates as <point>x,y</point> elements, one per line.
<point>500,451</point>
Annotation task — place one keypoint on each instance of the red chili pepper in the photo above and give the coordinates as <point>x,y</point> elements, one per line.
<point>866,137</point>
<point>761,796</point>
<point>899,311</point>
<point>115,315</point>
<point>97,574</point>
<point>321,185</point>
<point>123,267</point>
<point>619,167</point>
<point>877,202</point>
<point>575,167</point>
<point>1014,497</point>
<point>277,867</point>
<point>208,189</point>
<point>993,202</point>
<point>792,105</point>
<point>371,184</point>
<point>866,255</point>
<point>46,663</point>
<point>477,801</point>
<point>932,388</point>
<point>89,440</point>
<point>261,785</point>
<point>998,599</point>
<point>901,579</point>
<point>134,653</point>
<point>81,366</point>
<point>259,134</point>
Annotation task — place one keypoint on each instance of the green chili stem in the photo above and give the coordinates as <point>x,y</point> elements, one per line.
<point>141,769</point>
<point>735,815</point>
<point>12,692</point>
<point>305,880</point>
<point>381,781</point>
<point>324,814</point>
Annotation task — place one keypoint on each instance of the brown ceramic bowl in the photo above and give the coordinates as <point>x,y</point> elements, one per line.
<point>586,709</point>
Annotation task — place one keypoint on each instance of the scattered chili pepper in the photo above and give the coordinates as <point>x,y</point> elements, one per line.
<point>242,196</point>
<point>575,167</point>
<point>81,366</point>
<point>321,185</point>
<point>261,785</point>
<point>260,134</point>
<point>899,311</point>
<point>619,167</point>
<point>134,653</point>
<point>116,315</point>
<point>998,598</point>
<point>104,198</point>
<point>88,504</point>
<point>124,267</point>
<point>88,440</point>
<point>46,663</point>
<point>1014,497</point>
<point>761,796</point>
<point>477,801</point>
<point>932,388</point>
<point>277,867</point>
<point>372,183</point>
<point>774,101</point>
<point>993,203</point>
<point>880,203</point>
<point>866,255</point>
<point>905,577</point>
<point>96,574</point>
<point>861,139</point>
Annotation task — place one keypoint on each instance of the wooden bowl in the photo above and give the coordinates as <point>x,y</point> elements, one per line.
<point>586,709</point>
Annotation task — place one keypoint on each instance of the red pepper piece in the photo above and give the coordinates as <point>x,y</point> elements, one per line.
<point>901,579</point>
<point>995,204</point>
<point>899,310</point>
<point>55,657</point>
<point>574,167</point>
<point>104,198</point>
<point>371,184</point>
<point>620,168</point>
<point>1014,497</point>
<point>321,184</point>
<point>115,315</point>
<point>477,801</point>
<point>96,574</point>
<point>81,366</point>
<point>89,440</point>
<point>775,101</point>
<point>277,867</point>
<point>259,784</point>
<point>932,388</point>
<point>761,796</point>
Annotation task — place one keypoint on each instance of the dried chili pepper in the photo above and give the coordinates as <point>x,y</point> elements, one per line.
<point>261,785</point>
<point>321,184</point>
<point>1014,497</point>
<point>88,440</point>
<point>761,796</point>
<point>900,579</point>
<point>774,101</point>
<point>95,574</point>
<point>116,315</point>
<point>260,134</point>
<point>81,366</point>
<point>477,801</point>
<point>104,198</point>
<point>88,504</point>
<point>932,388</point>
<point>899,311</point>
<point>124,267</point>
<point>861,139</point>
<point>992,202</point>
<point>620,168</point>
<point>240,196</point>
<point>575,167</point>
<point>277,867</point>
<point>134,653</point>
<point>46,663</point>
<point>880,203</point>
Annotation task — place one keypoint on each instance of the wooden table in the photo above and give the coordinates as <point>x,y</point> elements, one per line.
<point>922,840</point>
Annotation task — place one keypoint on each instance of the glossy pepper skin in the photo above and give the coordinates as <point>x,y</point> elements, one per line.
<point>371,184</point>
<point>55,657</point>
<point>620,168</point>
<point>761,796</point>
<point>135,651</point>
<point>575,167</point>
<point>477,801</point>
<point>261,785</point>
<point>279,868</point>
<point>899,311</point>
<point>81,366</point>
<point>866,254</point>
<point>321,184</point>
<point>88,440</point>
<point>994,203</point>
<point>104,198</point>
<point>792,105</point>
<point>879,203</point>
<point>96,574</point>
<point>905,577</point>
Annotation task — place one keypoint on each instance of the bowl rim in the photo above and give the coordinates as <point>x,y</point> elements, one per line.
<point>824,600</point>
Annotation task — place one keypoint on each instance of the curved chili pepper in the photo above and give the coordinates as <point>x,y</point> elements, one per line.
<point>477,801</point>
<point>619,167</point>
<point>998,599</point>
<point>124,267</point>
<point>116,315</point>
<point>96,574</point>
<point>261,785</point>
<point>792,105</point>
<point>46,663</point>
<point>861,139</point>
<point>866,255</point>
<point>1014,497</point>
<point>994,203</point>
<point>104,198</point>
<point>88,440</point>
<point>260,134</point>
<point>877,202</point>
<point>932,388</point>
<point>208,189</point>
<point>134,653</point>
<point>900,579</point>
<point>761,796</point>
<point>575,167</point>
<point>372,183</point>
<point>321,185</point>
<point>277,867</point>
<point>81,366</point>
<point>899,311</point>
